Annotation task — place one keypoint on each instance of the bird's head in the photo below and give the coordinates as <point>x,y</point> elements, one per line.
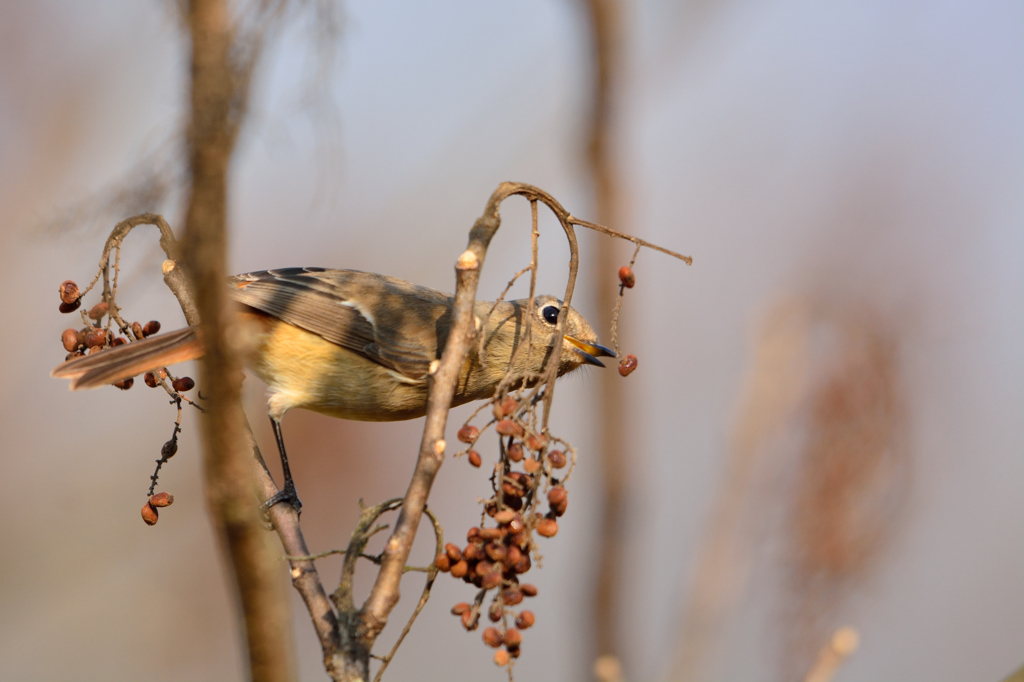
<point>579,342</point>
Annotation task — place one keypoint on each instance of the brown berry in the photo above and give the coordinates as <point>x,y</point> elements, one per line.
<point>151,327</point>
<point>496,552</point>
<point>547,528</point>
<point>69,292</point>
<point>69,337</point>
<point>182,384</point>
<point>124,384</point>
<point>512,488</point>
<point>96,337</point>
<point>501,658</point>
<point>453,552</point>
<point>507,427</point>
<point>474,458</point>
<point>490,534</point>
<point>460,608</point>
<point>627,277</point>
<point>504,516</point>
<point>492,637</point>
<point>468,433</point>
<point>119,341</point>
<point>522,565</point>
<point>151,380</point>
<point>69,307</point>
<point>483,567</point>
<point>556,458</point>
<point>525,620</point>
<point>491,580</point>
<point>161,500</point>
<point>528,589</point>
<point>473,534</point>
<point>514,652</point>
<point>558,498</point>
<point>468,621</point>
<point>473,552</point>
<point>627,365</point>
<point>443,563</point>
<point>511,596</point>
<point>517,523</point>
<point>506,407</point>
<point>515,452</point>
<point>137,330</point>
<point>513,638</point>
<point>536,442</point>
<point>99,310</point>
<point>531,465</point>
<point>460,569</point>
<point>149,514</point>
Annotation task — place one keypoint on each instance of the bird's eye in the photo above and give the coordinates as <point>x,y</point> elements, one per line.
<point>550,314</point>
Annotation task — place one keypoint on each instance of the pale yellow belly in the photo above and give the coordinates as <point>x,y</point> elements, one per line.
<point>304,371</point>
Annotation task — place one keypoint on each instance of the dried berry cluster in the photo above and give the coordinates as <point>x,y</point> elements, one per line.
<point>496,556</point>
<point>97,336</point>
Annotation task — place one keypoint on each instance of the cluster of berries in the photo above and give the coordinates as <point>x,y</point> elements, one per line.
<point>96,337</point>
<point>496,556</point>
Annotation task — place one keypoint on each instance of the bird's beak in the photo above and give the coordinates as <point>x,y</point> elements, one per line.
<point>590,351</point>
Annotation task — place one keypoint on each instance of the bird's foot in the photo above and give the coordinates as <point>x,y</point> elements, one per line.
<point>287,495</point>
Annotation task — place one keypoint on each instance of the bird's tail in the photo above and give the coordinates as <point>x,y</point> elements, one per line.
<point>115,364</point>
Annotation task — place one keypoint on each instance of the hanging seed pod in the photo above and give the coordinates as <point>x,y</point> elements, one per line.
<point>161,500</point>
<point>69,293</point>
<point>99,310</point>
<point>511,596</point>
<point>627,365</point>
<point>460,608</point>
<point>474,458</point>
<point>69,339</point>
<point>626,277</point>
<point>182,384</point>
<point>151,380</point>
<point>501,658</point>
<point>96,338</point>
<point>468,621</point>
<point>468,433</point>
<point>152,327</point>
<point>557,459</point>
<point>453,552</point>
<point>149,514</point>
<point>525,619</point>
<point>443,563</point>
<point>528,589</point>
<point>492,637</point>
<point>536,442</point>
<point>558,498</point>
<point>547,528</point>
<point>515,452</point>
<point>124,384</point>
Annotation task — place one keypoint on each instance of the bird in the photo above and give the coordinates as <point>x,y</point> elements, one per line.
<point>358,345</point>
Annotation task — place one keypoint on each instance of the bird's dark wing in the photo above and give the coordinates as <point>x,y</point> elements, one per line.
<point>387,320</point>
